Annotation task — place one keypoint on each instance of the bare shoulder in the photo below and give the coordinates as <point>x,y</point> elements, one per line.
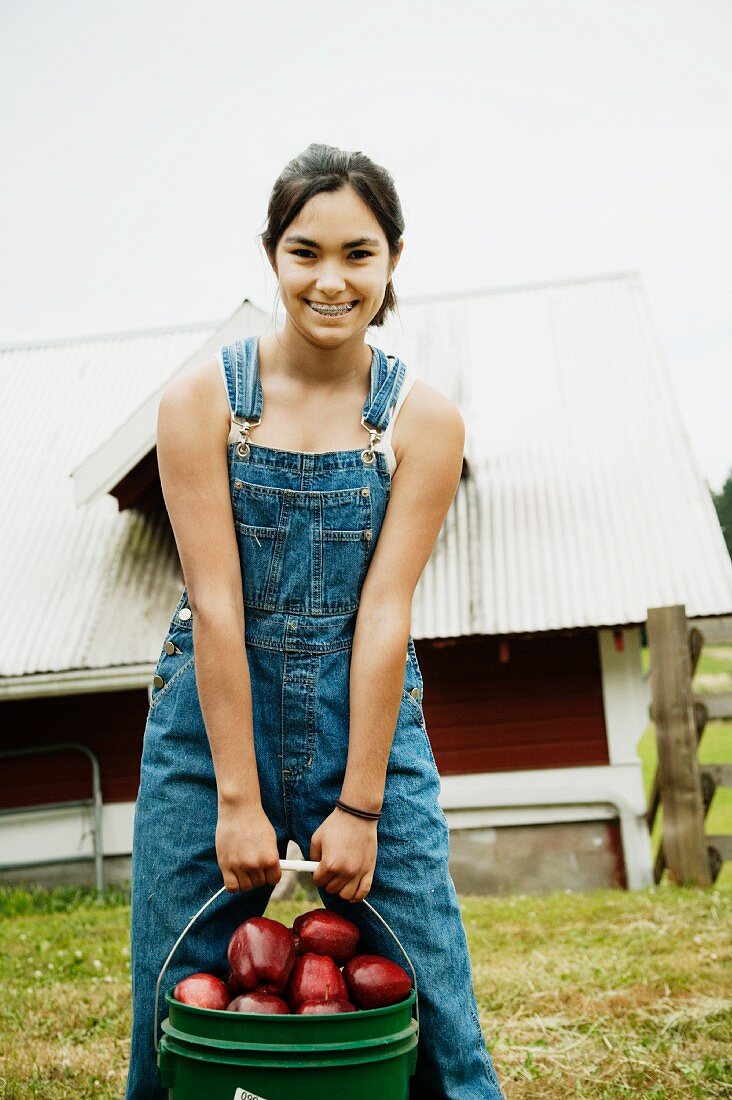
<point>430,405</point>
<point>197,393</point>
<point>192,430</point>
<point>429,465</point>
<point>428,421</point>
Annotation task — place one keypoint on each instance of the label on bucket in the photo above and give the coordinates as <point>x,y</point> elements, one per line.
<point>245,1094</point>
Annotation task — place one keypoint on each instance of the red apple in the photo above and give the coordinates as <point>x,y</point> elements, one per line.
<point>259,1001</point>
<point>374,981</point>
<point>315,978</point>
<point>261,953</point>
<point>321,1008</point>
<point>203,991</point>
<point>326,933</point>
<point>232,984</point>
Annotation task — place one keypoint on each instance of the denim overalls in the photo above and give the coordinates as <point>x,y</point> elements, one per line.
<point>306,526</point>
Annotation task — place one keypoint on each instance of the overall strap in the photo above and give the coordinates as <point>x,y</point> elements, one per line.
<point>242,383</point>
<point>386,382</point>
<point>240,362</point>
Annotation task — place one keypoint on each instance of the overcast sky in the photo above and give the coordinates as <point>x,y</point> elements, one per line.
<point>530,140</point>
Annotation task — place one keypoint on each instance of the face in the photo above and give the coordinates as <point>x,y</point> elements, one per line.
<point>333,253</point>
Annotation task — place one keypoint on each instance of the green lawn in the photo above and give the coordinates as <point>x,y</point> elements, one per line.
<point>601,995</point>
<point>597,996</point>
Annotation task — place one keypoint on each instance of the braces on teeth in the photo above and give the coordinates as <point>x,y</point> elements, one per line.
<point>330,309</point>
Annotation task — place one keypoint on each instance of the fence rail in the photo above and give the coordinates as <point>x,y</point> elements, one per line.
<point>683,785</point>
<point>95,803</point>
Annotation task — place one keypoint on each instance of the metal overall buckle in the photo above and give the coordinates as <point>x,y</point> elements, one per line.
<point>242,447</point>
<point>368,454</point>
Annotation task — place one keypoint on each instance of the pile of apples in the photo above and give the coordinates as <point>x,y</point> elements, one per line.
<point>309,969</point>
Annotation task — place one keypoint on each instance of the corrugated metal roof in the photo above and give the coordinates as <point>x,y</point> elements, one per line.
<point>585,507</point>
<point>81,588</point>
<point>587,504</point>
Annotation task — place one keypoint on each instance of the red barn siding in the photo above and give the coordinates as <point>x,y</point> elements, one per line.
<point>519,702</point>
<point>110,723</point>
<point>539,708</point>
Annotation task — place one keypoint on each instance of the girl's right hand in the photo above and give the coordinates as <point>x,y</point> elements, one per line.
<point>246,847</point>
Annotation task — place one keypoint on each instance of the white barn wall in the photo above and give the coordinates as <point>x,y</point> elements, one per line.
<point>626,695</point>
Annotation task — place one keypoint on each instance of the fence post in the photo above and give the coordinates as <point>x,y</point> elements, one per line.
<point>684,844</point>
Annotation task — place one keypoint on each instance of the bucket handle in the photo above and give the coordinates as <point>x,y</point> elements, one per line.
<point>287,865</point>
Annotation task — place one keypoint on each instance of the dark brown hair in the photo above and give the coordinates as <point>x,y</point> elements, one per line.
<point>326,168</point>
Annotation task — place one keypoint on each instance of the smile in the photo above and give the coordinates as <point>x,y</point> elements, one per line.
<point>330,311</point>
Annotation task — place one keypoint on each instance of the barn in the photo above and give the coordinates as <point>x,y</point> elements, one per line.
<point>581,506</point>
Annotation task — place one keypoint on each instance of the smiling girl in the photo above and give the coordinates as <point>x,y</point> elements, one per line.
<point>307,476</point>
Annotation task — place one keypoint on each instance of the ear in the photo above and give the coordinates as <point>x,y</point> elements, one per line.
<point>395,259</point>
<point>270,258</point>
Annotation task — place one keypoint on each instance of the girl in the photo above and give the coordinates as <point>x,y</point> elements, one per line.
<point>287,697</point>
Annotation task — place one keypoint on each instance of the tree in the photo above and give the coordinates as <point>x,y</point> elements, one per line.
<point>723,504</point>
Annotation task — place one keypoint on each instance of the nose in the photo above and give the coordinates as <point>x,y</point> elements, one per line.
<point>330,280</point>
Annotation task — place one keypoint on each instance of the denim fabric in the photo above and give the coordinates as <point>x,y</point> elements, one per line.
<point>307,526</point>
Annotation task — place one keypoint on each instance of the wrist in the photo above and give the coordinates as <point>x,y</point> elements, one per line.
<point>357,817</point>
<point>371,804</point>
<point>357,811</point>
<point>238,800</point>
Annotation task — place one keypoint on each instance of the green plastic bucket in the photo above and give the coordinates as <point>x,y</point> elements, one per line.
<point>219,1055</point>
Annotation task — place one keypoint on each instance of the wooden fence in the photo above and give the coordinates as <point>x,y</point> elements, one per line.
<point>682,785</point>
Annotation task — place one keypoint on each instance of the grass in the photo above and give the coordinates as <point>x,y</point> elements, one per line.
<point>604,995</point>
<point>596,996</point>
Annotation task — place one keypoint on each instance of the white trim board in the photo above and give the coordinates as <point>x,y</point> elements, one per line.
<point>84,681</point>
<point>625,693</point>
<point>469,801</point>
<point>44,836</point>
<point>131,441</point>
<point>561,794</point>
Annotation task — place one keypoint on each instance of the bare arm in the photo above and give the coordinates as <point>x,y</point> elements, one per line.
<point>423,488</point>
<point>422,491</point>
<point>192,433</point>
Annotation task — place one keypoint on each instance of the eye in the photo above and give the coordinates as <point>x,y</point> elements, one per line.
<point>359,251</point>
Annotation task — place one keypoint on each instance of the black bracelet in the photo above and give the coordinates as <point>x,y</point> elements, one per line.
<point>359,813</point>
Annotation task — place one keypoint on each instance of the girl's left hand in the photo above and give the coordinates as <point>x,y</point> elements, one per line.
<point>345,847</point>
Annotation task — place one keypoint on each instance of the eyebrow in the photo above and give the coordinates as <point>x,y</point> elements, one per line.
<point>349,244</point>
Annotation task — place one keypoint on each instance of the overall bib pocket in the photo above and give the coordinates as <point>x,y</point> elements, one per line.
<point>256,553</point>
<point>303,550</point>
<point>260,511</point>
<point>346,539</point>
